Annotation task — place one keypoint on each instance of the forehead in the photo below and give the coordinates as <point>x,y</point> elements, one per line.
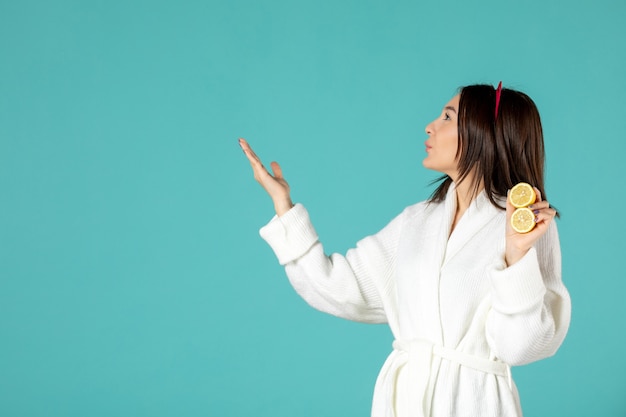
<point>454,102</point>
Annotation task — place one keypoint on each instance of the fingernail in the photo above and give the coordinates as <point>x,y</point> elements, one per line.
<point>536,211</point>
<point>530,207</point>
<point>536,219</point>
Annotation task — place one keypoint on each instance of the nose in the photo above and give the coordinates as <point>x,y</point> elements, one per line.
<point>429,128</point>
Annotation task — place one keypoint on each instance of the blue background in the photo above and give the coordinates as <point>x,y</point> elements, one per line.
<point>133,281</point>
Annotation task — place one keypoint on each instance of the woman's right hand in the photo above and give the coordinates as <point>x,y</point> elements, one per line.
<point>275,184</point>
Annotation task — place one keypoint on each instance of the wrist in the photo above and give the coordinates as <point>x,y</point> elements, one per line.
<point>512,255</point>
<point>282,207</point>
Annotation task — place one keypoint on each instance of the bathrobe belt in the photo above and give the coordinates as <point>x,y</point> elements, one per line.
<point>418,357</point>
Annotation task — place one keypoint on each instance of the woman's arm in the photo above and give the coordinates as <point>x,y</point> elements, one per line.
<point>350,286</point>
<point>531,307</point>
<point>346,286</point>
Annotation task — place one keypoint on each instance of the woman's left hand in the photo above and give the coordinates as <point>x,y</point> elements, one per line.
<point>518,244</point>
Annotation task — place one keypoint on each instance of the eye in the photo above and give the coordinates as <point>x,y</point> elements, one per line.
<point>446,116</point>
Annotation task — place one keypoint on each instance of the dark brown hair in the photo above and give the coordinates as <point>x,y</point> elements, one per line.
<point>499,152</point>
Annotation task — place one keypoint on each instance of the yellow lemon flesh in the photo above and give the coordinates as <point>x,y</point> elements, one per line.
<point>522,195</point>
<point>523,220</point>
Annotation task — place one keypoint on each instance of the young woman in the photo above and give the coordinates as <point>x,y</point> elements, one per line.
<point>466,296</point>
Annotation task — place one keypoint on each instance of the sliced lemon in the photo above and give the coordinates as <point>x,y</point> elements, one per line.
<point>522,195</point>
<point>523,220</point>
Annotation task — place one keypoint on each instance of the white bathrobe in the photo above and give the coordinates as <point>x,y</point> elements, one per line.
<point>460,317</point>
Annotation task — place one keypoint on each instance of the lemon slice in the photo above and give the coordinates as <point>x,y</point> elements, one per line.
<point>523,220</point>
<point>522,195</point>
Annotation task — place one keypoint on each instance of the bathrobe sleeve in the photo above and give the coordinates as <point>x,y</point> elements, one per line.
<point>531,307</point>
<point>345,286</point>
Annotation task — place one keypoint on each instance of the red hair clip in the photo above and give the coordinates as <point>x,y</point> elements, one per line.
<point>498,92</point>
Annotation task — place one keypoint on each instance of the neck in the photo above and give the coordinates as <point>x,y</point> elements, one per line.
<point>465,194</point>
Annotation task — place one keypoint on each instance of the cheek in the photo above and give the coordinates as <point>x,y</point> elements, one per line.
<point>452,139</point>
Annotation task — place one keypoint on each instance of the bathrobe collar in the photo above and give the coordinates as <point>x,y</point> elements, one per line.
<point>480,212</point>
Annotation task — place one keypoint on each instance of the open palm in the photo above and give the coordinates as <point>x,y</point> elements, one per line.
<point>274,184</point>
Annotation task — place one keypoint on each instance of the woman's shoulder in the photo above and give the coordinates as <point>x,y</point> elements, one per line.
<point>423,208</point>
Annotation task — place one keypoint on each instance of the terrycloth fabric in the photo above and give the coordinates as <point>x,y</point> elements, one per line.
<point>460,317</point>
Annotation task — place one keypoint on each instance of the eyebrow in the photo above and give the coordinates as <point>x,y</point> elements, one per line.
<point>450,108</point>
